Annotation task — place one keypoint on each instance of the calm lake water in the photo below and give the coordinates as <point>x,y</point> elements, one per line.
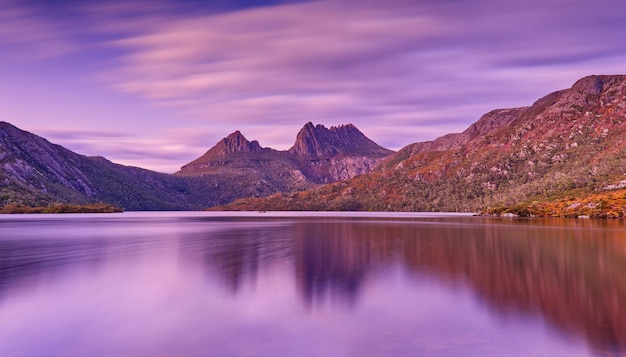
<point>294,284</point>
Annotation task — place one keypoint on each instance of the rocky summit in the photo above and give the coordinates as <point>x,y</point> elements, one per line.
<point>569,142</point>
<point>318,142</point>
<point>319,155</point>
<point>339,153</point>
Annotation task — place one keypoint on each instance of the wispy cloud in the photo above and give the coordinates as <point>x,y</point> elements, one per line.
<point>29,35</point>
<point>401,70</point>
<point>345,61</point>
<point>164,152</point>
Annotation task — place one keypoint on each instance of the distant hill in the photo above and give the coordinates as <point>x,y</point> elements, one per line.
<point>35,172</point>
<point>569,142</point>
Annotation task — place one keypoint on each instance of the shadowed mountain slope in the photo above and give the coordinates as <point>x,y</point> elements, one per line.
<point>34,171</point>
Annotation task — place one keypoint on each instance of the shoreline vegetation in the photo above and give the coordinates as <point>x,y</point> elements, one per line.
<point>571,204</point>
<point>61,208</point>
<point>579,203</point>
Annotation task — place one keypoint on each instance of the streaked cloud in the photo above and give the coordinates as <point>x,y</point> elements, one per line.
<point>400,70</point>
<point>361,62</point>
<point>164,151</point>
<point>28,35</point>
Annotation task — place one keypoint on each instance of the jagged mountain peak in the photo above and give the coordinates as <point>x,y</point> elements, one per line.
<point>236,142</point>
<point>233,147</point>
<point>320,129</point>
<point>342,140</point>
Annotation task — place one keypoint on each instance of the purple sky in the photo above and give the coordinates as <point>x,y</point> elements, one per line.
<point>156,83</point>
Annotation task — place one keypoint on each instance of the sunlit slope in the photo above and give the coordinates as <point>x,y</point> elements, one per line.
<point>568,140</point>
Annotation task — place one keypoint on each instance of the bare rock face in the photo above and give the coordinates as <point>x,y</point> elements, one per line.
<point>236,142</point>
<point>344,140</point>
<point>590,85</point>
<point>335,154</point>
<point>348,167</point>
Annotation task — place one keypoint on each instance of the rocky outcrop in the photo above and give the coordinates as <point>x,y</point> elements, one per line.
<point>318,142</point>
<point>236,142</point>
<point>335,154</point>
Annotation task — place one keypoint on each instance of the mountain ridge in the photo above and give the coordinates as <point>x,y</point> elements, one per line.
<point>567,140</point>
<point>318,155</point>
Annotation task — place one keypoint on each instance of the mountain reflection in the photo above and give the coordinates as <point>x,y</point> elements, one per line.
<point>570,272</point>
<point>237,254</point>
<point>331,262</point>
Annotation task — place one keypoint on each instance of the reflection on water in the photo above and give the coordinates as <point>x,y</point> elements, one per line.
<point>312,286</point>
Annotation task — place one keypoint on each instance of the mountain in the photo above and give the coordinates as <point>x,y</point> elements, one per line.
<point>236,167</point>
<point>568,142</point>
<point>34,171</point>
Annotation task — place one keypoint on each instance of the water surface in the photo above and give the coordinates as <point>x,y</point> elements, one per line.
<point>296,284</point>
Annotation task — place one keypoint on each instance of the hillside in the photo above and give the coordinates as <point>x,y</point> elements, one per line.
<point>568,140</point>
<point>35,172</point>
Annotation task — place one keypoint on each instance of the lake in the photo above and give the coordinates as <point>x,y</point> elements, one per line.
<point>310,284</point>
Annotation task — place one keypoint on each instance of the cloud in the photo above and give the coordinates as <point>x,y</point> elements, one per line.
<point>164,152</point>
<point>27,34</point>
<point>82,134</point>
<point>400,70</point>
<point>361,62</point>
